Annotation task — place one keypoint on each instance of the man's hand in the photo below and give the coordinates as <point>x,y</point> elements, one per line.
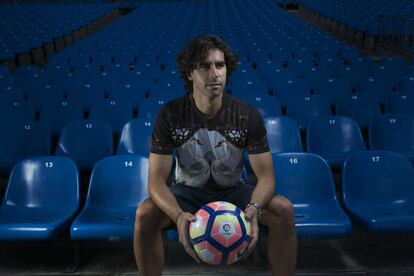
<point>183,221</point>
<point>251,216</point>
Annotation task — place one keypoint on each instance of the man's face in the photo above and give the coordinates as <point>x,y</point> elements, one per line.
<point>209,78</point>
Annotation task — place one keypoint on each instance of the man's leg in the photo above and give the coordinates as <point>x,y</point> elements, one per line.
<point>150,222</point>
<point>282,240</point>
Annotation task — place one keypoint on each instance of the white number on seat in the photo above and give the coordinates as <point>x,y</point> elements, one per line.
<point>128,163</point>
<point>375,158</point>
<point>48,164</point>
<point>332,122</point>
<point>89,125</point>
<point>293,160</point>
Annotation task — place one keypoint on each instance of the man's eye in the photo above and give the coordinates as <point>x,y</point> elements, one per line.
<point>220,65</point>
<point>204,66</point>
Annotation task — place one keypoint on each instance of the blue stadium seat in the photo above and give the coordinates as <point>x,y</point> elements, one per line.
<point>118,185</point>
<point>286,90</point>
<point>334,138</point>
<point>20,140</point>
<point>86,94</point>
<point>282,134</point>
<point>400,103</point>
<point>150,107</point>
<point>243,87</point>
<point>116,113</point>
<point>38,96</point>
<point>18,110</point>
<point>136,137</point>
<point>392,132</point>
<point>377,191</point>
<point>167,88</point>
<point>267,105</point>
<point>333,89</point>
<point>306,180</point>
<point>360,107</point>
<point>406,83</point>
<point>380,86</point>
<point>41,199</point>
<point>86,142</point>
<point>305,108</point>
<point>57,113</point>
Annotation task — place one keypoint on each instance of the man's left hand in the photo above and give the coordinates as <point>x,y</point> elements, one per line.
<point>251,216</point>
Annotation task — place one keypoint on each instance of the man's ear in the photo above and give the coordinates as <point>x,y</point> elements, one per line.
<point>190,77</point>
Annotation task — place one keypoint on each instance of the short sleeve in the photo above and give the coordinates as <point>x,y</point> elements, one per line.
<point>162,142</point>
<point>256,133</point>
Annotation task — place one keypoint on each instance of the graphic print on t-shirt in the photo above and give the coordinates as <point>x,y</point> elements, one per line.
<point>208,154</point>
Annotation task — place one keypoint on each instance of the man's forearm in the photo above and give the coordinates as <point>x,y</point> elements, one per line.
<point>264,191</point>
<point>165,200</point>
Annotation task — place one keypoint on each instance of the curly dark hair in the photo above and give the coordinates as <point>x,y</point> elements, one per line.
<point>196,51</point>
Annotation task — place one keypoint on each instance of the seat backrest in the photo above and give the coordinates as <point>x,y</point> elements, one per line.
<point>150,107</point>
<point>400,103</point>
<point>331,135</point>
<point>360,107</point>
<point>378,177</point>
<point>304,178</point>
<point>44,182</point>
<point>268,106</point>
<point>305,108</point>
<point>88,139</point>
<point>282,134</point>
<point>57,113</point>
<point>393,132</point>
<point>115,112</point>
<point>119,181</point>
<point>136,137</point>
<point>333,89</point>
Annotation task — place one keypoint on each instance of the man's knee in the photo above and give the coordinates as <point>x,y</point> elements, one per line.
<point>147,216</point>
<point>283,211</point>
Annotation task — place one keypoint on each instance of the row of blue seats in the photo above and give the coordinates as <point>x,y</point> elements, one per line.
<point>42,198</point>
<point>87,141</point>
<point>362,15</point>
<point>24,27</point>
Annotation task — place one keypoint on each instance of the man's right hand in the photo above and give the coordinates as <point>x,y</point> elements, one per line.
<point>183,222</point>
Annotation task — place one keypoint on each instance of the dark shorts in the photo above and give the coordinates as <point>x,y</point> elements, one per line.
<point>191,199</point>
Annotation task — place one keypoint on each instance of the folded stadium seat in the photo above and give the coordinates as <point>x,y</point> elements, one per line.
<point>304,108</point>
<point>86,94</point>
<point>395,62</point>
<point>170,75</point>
<point>248,86</point>
<point>325,52</point>
<point>18,110</point>
<point>69,81</point>
<point>136,137</point>
<point>400,103</point>
<point>333,89</point>
<point>20,140</point>
<point>306,180</point>
<point>406,83</point>
<point>378,191</point>
<point>334,138</point>
<point>118,185</point>
<point>41,199</point>
<point>363,65</point>
<point>116,112</point>
<point>267,105</point>
<point>126,92</point>
<point>287,89</point>
<point>282,134</point>
<point>167,88</point>
<point>380,86</point>
<point>360,107</point>
<point>349,54</point>
<point>124,58</point>
<point>85,142</point>
<point>335,64</point>
<point>139,79</point>
<point>392,132</point>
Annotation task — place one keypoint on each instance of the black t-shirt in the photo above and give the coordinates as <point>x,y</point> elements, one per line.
<point>209,152</point>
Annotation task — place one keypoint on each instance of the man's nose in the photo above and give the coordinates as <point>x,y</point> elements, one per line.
<point>213,71</point>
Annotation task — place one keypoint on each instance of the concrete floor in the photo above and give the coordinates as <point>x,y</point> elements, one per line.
<point>359,254</point>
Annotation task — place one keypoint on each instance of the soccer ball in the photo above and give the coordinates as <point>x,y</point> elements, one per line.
<point>220,235</point>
